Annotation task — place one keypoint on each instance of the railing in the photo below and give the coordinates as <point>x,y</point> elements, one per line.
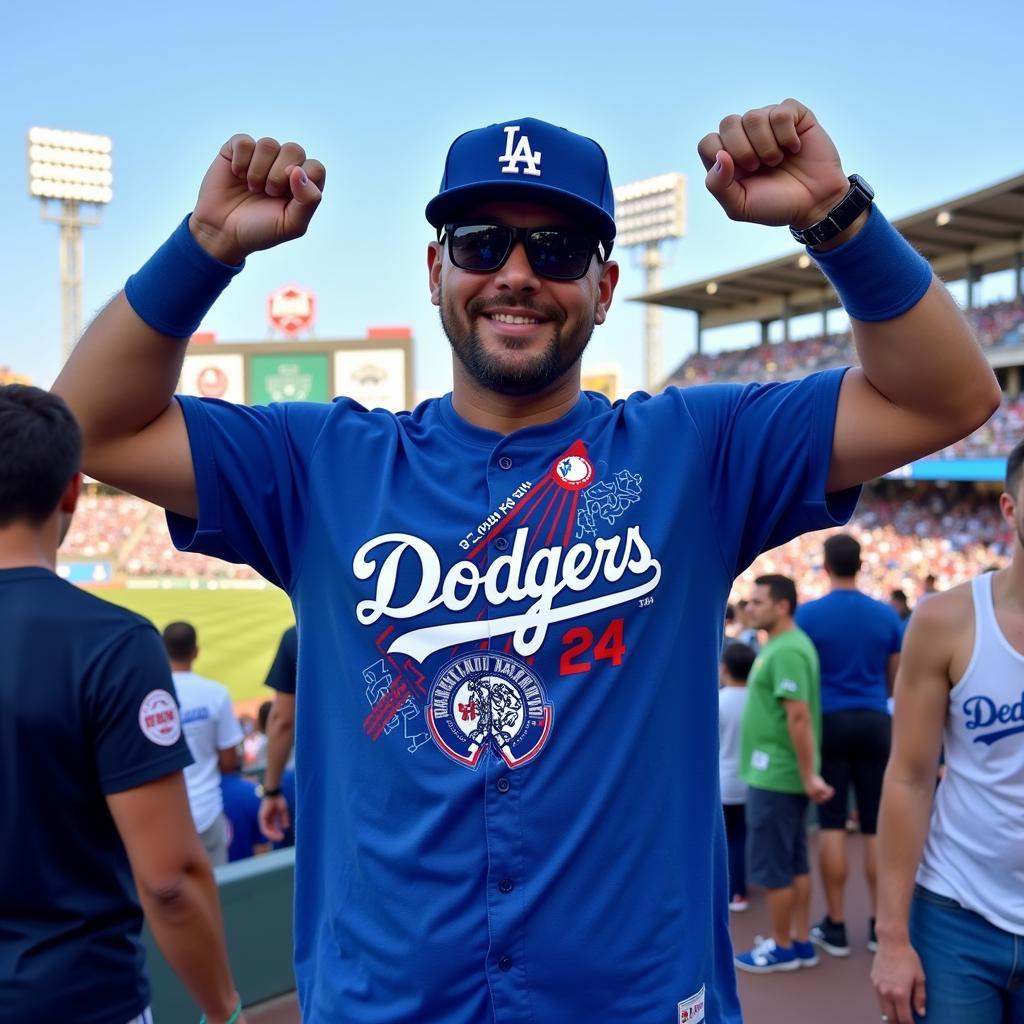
<point>256,898</point>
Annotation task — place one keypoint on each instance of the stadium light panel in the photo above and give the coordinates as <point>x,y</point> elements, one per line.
<point>943,218</point>
<point>650,210</point>
<point>711,287</point>
<point>70,166</point>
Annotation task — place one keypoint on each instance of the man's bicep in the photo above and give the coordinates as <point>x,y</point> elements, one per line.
<point>872,435</point>
<point>156,827</point>
<point>796,710</point>
<point>155,463</point>
<point>922,692</point>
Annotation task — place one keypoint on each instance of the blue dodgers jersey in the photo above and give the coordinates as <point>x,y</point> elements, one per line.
<point>854,636</point>
<point>507,769</point>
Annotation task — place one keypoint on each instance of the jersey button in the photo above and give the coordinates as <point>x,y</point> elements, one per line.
<point>505,885</point>
<point>503,785</point>
<point>505,963</point>
<point>501,543</point>
<point>505,462</point>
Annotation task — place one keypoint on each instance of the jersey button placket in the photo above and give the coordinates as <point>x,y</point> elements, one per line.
<point>506,967</point>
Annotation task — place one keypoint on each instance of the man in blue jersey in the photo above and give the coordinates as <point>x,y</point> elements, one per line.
<point>510,600</point>
<point>858,642</point>
<point>91,790</point>
<point>951,859</point>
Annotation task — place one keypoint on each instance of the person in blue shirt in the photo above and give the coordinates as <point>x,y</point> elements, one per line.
<point>858,642</point>
<point>96,818</point>
<point>242,808</point>
<point>510,600</point>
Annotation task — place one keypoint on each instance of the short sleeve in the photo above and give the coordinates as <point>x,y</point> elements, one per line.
<point>229,732</point>
<point>791,676</point>
<point>281,676</point>
<point>133,713</point>
<point>768,449</point>
<point>251,466</point>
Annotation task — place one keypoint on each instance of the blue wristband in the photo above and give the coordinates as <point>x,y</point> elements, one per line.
<point>232,1019</point>
<point>877,274</point>
<point>175,288</point>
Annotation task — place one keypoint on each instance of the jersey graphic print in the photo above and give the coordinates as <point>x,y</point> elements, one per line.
<point>983,713</point>
<point>488,698</point>
<point>541,551</point>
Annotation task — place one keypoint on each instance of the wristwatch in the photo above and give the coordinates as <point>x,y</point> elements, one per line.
<point>274,791</point>
<point>840,217</point>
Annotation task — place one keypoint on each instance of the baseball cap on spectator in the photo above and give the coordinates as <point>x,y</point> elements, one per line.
<point>527,160</point>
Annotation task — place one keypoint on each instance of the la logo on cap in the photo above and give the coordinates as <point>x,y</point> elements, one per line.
<point>521,154</point>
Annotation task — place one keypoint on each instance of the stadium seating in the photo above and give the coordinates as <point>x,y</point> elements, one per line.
<point>999,324</point>
<point>907,532</point>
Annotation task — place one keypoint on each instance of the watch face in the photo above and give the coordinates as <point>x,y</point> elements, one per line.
<point>859,183</point>
<point>841,216</point>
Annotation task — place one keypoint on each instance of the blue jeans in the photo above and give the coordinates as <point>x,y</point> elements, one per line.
<point>974,972</point>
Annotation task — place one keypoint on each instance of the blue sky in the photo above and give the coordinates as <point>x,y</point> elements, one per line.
<point>925,104</point>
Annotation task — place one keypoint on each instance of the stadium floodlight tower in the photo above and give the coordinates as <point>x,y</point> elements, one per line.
<point>648,213</point>
<point>74,169</point>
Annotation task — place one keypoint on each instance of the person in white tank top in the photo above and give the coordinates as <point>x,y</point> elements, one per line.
<point>953,943</point>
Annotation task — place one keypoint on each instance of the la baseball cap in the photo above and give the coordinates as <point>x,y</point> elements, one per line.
<point>527,160</point>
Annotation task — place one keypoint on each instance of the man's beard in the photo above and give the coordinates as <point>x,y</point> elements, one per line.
<point>525,378</point>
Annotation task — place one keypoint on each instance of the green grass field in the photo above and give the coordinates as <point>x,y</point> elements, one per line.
<point>238,629</point>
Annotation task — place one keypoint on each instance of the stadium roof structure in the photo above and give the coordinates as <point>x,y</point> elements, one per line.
<point>964,238</point>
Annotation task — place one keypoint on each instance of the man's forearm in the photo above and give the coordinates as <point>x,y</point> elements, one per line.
<point>187,925</point>
<point>902,829</point>
<point>802,737</point>
<point>280,737</point>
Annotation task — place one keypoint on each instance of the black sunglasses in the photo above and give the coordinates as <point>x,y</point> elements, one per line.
<point>559,253</point>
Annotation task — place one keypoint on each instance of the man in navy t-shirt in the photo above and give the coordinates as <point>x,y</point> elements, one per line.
<point>858,641</point>
<point>276,809</point>
<point>510,600</point>
<point>92,753</point>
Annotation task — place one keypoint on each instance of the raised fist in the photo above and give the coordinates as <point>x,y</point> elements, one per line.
<point>774,165</point>
<point>255,196</point>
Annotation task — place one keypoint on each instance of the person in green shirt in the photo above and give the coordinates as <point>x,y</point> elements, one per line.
<point>779,760</point>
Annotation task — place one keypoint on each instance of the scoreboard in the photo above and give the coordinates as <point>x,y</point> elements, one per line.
<point>376,372</point>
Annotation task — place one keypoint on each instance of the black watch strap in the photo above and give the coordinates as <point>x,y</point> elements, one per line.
<point>275,791</point>
<point>840,217</point>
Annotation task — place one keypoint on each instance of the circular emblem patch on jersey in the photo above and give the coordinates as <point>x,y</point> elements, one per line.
<point>159,719</point>
<point>573,472</point>
<point>489,699</point>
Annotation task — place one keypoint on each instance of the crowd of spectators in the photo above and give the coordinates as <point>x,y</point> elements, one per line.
<point>1001,323</point>
<point>907,534</point>
<point>153,554</point>
<point>103,524</point>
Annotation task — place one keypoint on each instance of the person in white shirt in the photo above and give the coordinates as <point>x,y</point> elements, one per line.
<point>734,667</point>
<point>951,867</point>
<point>212,733</point>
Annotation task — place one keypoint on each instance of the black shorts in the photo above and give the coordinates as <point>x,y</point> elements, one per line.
<point>854,750</point>
<point>776,837</point>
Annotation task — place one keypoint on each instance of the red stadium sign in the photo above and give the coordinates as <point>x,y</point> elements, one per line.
<point>291,309</point>
<point>212,382</point>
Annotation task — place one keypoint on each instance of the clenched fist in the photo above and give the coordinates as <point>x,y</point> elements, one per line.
<point>774,165</point>
<point>255,196</point>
